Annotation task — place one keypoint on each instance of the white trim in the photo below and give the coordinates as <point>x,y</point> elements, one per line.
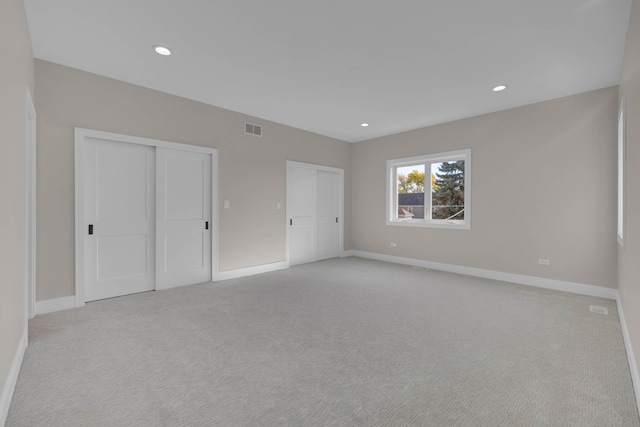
<point>622,160</point>
<point>340,172</point>
<point>56,304</point>
<point>80,135</point>
<point>539,282</point>
<point>250,271</point>
<point>79,215</point>
<point>30,205</point>
<point>64,303</point>
<point>214,214</point>
<point>345,254</point>
<point>12,379</point>
<point>89,133</point>
<point>633,367</point>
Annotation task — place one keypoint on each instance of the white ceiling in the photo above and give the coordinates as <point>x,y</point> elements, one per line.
<point>328,65</point>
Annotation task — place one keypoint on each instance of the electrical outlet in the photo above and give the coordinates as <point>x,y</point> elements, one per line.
<point>543,261</point>
<point>393,244</point>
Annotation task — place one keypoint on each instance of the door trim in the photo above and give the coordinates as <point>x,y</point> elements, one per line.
<point>340,173</point>
<point>80,135</point>
<point>30,205</point>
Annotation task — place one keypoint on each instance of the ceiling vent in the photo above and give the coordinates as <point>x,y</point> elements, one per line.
<point>598,309</point>
<point>251,129</point>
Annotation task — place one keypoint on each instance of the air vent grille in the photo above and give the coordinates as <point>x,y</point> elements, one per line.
<point>598,309</point>
<point>251,129</point>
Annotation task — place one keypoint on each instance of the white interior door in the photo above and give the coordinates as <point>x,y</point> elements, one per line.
<point>119,218</point>
<point>183,217</point>
<point>328,213</point>
<point>301,209</point>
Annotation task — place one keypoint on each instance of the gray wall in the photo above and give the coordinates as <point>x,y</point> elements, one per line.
<point>543,186</point>
<point>542,179</point>
<point>629,257</point>
<point>251,169</point>
<point>16,73</point>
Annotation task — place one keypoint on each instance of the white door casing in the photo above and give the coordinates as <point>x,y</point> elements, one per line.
<point>315,211</point>
<point>83,138</point>
<point>30,204</point>
<point>183,217</point>
<point>120,217</point>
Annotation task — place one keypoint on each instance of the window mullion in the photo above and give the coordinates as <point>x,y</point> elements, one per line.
<point>394,183</point>
<point>427,191</point>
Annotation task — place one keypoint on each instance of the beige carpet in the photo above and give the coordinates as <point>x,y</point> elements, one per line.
<point>347,342</point>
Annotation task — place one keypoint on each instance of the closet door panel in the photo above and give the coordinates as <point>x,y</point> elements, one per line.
<point>301,208</point>
<point>328,212</point>
<point>183,223</point>
<point>120,219</point>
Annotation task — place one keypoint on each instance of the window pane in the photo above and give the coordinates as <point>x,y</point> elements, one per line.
<point>447,195</point>
<point>411,191</point>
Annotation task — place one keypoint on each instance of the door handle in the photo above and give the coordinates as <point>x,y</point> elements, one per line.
<point>291,221</point>
<point>206,225</point>
<point>90,228</point>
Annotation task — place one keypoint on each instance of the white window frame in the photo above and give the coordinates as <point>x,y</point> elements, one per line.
<point>621,170</point>
<point>392,190</point>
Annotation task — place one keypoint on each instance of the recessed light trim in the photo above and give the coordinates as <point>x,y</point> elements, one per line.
<point>499,88</point>
<point>162,50</point>
<point>364,125</point>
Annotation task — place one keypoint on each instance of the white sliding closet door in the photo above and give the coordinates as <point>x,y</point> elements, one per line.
<point>314,200</point>
<point>144,215</point>
<point>301,208</point>
<point>120,219</point>
<point>328,211</point>
<point>183,217</point>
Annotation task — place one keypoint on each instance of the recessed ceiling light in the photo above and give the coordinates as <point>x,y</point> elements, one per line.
<point>364,125</point>
<point>161,50</point>
<point>499,88</point>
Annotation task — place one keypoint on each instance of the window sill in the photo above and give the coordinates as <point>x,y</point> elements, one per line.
<point>453,225</point>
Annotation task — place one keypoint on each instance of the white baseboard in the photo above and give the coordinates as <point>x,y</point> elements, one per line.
<point>250,271</point>
<point>12,379</point>
<point>57,304</point>
<point>558,285</point>
<point>64,303</point>
<point>633,367</point>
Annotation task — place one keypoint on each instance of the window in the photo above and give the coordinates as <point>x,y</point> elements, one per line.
<point>430,191</point>
<point>621,172</point>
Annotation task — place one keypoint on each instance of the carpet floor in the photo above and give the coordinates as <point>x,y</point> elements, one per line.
<point>343,342</point>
